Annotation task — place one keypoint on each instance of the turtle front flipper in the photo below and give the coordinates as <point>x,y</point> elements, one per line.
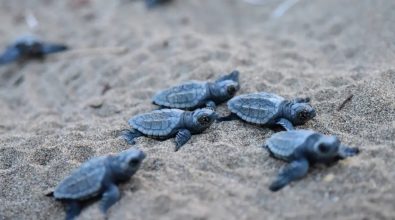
<point>286,124</point>
<point>211,105</point>
<point>234,76</point>
<point>182,138</point>
<point>295,170</point>
<point>230,117</point>
<point>73,209</point>
<point>10,55</point>
<point>130,135</point>
<point>110,196</point>
<point>48,48</point>
<point>345,151</point>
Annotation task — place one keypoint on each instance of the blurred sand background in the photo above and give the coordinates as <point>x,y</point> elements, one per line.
<point>56,114</point>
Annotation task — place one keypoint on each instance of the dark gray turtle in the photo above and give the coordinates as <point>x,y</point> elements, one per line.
<point>28,47</point>
<point>154,3</point>
<point>167,123</point>
<point>198,94</point>
<point>98,177</point>
<point>303,148</point>
<point>270,109</point>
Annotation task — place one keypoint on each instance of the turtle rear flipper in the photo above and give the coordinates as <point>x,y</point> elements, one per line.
<point>49,193</point>
<point>232,116</point>
<point>295,170</point>
<point>130,135</point>
<point>10,55</point>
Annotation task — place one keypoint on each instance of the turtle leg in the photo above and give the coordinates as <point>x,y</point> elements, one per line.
<point>110,196</point>
<point>301,100</point>
<point>162,107</point>
<point>232,116</point>
<point>286,124</point>
<point>345,151</point>
<point>130,135</point>
<point>73,209</point>
<point>53,48</point>
<point>159,106</point>
<point>11,54</point>
<point>211,105</point>
<point>182,137</point>
<point>295,170</point>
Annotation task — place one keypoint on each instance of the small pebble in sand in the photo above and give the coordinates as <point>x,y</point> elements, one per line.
<point>329,177</point>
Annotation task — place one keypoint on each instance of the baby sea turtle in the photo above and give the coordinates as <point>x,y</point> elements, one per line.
<point>28,47</point>
<point>98,177</point>
<point>154,3</point>
<point>303,148</point>
<point>198,94</point>
<point>166,123</point>
<point>270,109</point>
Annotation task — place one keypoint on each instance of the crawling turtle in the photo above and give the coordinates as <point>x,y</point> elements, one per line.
<point>166,123</point>
<point>154,3</point>
<point>198,94</point>
<point>302,148</point>
<point>98,177</point>
<point>28,47</point>
<point>270,109</point>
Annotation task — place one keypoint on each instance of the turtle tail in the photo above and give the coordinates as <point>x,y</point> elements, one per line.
<point>130,135</point>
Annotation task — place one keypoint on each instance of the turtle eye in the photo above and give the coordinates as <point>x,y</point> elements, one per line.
<point>231,90</point>
<point>134,162</point>
<point>203,120</point>
<point>323,148</point>
<point>303,115</point>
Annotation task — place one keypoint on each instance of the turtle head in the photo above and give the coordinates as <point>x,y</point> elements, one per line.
<point>28,45</point>
<point>226,86</point>
<point>203,118</point>
<point>127,163</point>
<point>301,112</point>
<point>326,148</point>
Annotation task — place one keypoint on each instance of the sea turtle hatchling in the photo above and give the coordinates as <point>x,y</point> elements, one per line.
<point>196,94</point>
<point>98,177</point>
<point>303,148</point>
<point>167,123</point>
<point>270,109</point>
<point>27,47</point>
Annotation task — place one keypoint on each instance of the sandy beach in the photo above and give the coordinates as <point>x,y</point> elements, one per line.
<point>57,113</point>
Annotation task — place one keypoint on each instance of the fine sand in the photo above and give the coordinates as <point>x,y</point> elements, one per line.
<point>57,113</point>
